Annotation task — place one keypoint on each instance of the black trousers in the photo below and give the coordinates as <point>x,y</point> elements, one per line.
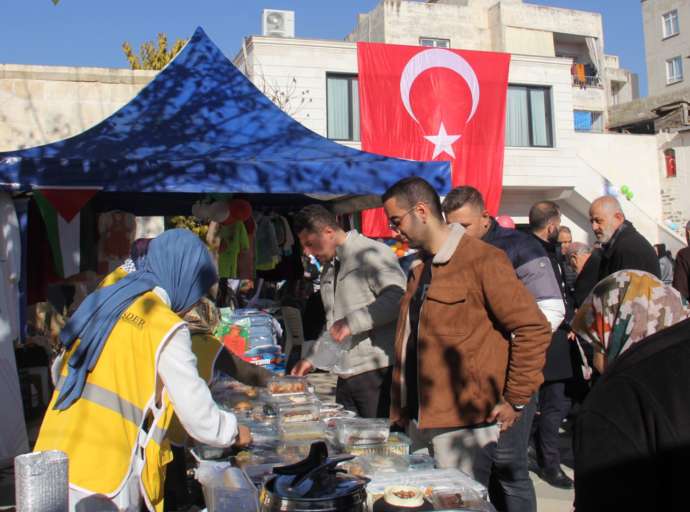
<point>554,404</point>
<point>368,394</point>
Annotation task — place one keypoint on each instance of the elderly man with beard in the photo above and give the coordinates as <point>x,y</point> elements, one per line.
<point>624,248</point>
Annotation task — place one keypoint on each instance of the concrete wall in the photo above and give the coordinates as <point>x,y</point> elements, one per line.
<point>658,49</point>
<point>523,41</point>
<point>675,192</point>
<point>278,60</point>
<point>625,160</point>
<point>42,104</point>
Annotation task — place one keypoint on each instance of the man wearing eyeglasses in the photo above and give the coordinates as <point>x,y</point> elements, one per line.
<point>470,343</point>
<point>361,287</point>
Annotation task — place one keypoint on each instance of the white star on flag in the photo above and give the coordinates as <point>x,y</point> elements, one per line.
<point>443,143</point>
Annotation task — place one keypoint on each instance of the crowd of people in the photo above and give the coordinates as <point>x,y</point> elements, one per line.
<point>493,338</point>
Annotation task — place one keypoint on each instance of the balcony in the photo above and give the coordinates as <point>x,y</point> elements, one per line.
<point>584,82</point>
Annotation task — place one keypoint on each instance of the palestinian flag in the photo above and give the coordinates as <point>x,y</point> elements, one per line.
<point>60,211</point>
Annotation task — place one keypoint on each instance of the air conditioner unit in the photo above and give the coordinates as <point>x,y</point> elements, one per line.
<point>278,23</point>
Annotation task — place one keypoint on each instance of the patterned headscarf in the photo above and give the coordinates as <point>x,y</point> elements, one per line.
<point>203,318</point>
<point>625,308</point>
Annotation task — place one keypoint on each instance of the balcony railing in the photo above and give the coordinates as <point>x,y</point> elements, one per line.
<point>589,81</point>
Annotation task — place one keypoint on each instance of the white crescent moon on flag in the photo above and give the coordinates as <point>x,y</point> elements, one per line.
<point>437,58</point>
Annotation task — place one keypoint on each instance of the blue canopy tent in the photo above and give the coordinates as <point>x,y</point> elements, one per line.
<point>201,127</point>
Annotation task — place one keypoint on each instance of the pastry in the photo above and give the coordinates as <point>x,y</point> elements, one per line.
<point>402,498</point>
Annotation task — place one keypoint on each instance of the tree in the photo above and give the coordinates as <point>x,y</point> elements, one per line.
<point>287,97</point>
<point>55,2</point>
<point>152,56</point>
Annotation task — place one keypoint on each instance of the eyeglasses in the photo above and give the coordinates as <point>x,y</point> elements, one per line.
<point>395,224</point>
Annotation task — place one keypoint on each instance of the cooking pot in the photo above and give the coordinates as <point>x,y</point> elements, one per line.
<point>314,484</point>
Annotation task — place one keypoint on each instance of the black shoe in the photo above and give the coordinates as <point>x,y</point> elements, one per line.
<point>556,478</point>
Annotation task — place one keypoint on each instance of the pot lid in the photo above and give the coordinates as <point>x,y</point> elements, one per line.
<point>316,477</point>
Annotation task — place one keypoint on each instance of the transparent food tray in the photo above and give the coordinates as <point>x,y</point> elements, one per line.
<point>292,413</point>
<point>397,444</point>
<point>287,385</point>
<point>362,431</point>
<point>303,431</point>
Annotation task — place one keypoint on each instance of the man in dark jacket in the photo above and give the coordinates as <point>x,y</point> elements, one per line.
<point>681,270</point>
<point>465,206</point>
<point>554,403</point>
<point>623,246</point>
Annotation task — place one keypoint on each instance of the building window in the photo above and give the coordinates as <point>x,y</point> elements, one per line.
<point>674,70</point>
<point>670,158</point>
<point>588,121</point>
<point>528,122</point>
<point>670,24</point>
<point>435,42</point>
<point>342,107</point>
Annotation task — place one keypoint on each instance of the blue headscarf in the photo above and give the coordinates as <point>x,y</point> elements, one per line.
<point>177,261</point>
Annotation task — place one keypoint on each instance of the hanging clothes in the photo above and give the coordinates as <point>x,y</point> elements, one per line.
<point>233,240</point>
<point>245,261</point>
<point>13,438</point>
<point>284,235</point>
<point>268,252</point>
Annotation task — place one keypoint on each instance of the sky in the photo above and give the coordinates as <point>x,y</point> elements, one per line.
<point>91,32</point>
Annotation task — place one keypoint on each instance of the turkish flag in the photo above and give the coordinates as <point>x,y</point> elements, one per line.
<point>426,103</point>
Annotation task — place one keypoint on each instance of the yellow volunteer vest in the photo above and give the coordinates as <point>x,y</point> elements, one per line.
<point>100,432</point>
<point>113,277</point>
<point>206,349</point>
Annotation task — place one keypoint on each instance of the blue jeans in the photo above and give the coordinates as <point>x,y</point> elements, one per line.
<point>511,488</point>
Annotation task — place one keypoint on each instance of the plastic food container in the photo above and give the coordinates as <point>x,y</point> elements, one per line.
<point>295,451</point>
<point>433,480</point>
<point>420,461</point>
<point>362,431</point>
<point>460,499</point>
<point>303,431</point>
<point>227,488</point>
<point>205,452</point>
<point>331,416</point>
<point>398,444</point>
<point>293,413</point>
<point>287,385</point>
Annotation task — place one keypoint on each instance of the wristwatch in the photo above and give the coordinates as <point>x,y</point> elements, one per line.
<point>518,407</point>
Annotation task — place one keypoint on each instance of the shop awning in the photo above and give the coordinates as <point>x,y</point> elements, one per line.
<point>200,126</point>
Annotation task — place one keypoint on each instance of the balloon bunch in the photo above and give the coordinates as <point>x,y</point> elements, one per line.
<point>624,191</point>
<point>627,193</point>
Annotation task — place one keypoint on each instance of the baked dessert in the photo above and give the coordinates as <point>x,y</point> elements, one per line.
<point>402,498</point>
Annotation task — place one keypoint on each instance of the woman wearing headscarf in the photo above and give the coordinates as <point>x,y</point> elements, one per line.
<point>632,437</point>
<point>128,363</point>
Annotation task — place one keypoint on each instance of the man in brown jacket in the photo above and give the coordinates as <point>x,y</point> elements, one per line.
<point>470,342</point>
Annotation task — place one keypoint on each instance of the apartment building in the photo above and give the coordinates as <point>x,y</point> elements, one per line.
<point>561,82</point>
<point>666,110</point>
<point>562,85</point>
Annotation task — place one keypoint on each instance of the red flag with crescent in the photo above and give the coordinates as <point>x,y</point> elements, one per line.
<point>427,103</point>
